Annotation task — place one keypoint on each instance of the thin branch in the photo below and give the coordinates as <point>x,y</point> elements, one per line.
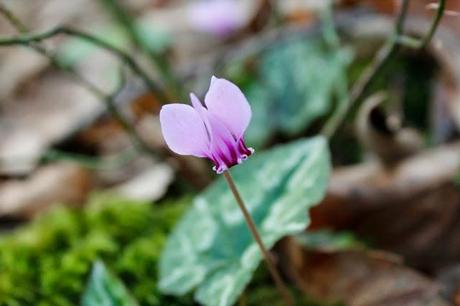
<point>29,39</point>
<point>105,163</point>
<point>186,171</point>
<point>341,85</point>
<point>161,63</point>
<point>380,60</point>
<point>21,28</point>
<point>13,19</point>
<point>434,24</point>
<point>136,139</point>
<point>415,43</point>
<point>109,100</point>
<point>387,52</point>
<point>109,162</point>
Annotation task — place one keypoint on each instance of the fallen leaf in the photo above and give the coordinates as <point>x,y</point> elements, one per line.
<point>149,185</point>
<point>49,185</point>
<point>360,278</point>
<point>410,209</point>
<point>43,114</point>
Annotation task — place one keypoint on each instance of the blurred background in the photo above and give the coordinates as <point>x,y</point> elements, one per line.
<point>89,192</point>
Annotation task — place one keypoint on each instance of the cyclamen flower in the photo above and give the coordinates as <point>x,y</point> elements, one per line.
<point>217,17</point>
<point>214,130</point>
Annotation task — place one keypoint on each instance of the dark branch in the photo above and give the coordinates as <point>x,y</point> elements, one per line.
<point>367,77</point>
<point>157,60</point>
<point>29,39</point>
<point>434,24</point>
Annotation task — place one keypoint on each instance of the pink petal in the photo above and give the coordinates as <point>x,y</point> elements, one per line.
<point>196,103</point>
<point>222,140</point>
<point>203,112</point>
<point>184,130</point>
<point>218,17</point>
<point>228,104</point>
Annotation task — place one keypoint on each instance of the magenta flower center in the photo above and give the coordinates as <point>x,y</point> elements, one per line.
<point>229,153</point>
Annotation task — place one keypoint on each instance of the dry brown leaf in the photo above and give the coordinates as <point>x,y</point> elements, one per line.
<point>389,142</point>
<point>50,185</point>
<point>19,65</point>
<point>387,7</point>
<point>148,185</point>
<point>45,113</point>
<point>359,278</point>
<point>412,209</point>
<point>449,279</point>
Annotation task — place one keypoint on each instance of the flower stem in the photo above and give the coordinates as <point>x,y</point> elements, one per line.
<point>255,234</point>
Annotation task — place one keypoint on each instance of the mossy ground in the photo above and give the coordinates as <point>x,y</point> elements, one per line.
<point>47,262</point>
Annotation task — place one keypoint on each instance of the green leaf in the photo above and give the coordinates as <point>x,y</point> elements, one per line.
<point>296,87</point>
<point>328,240</point>
<point>105,289</point>
<point>211,248</point>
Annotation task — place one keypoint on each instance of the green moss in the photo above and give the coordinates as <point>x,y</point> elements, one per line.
<point>47,262</point>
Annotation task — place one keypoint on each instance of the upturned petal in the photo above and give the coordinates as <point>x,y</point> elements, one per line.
<point>184,131</point>
<point>227,103</point>
<point>201,110</point>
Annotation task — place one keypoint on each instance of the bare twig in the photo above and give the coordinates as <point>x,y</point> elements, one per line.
<point>21,28</point>
<point>415,43</point>
<point>30,39</point>
<point>160,62</point>
<point>434,24</point>
<point>13,19</point>
<point>380,60</point>
<point>366,79</point>
<point>114,161</point>
<point>33,41</point>
<point>136,139</point>
<point>109,100</point>
<point>385,54</point>
<point>341,86</point>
